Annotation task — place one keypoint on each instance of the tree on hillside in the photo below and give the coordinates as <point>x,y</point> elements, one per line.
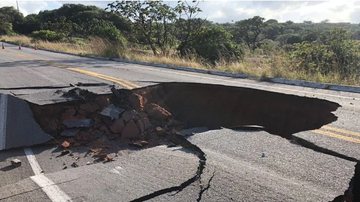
<point>9,15</point>
<point>160,26</point>
<point>335,52</point>
<point>249,31</point>
<point>152,19</point>
<point>215,44</point>
<point>188,25</point>
<point>6,28</point>
<point>31,23</point>
<point>76,20</point>
<point>272,29</point>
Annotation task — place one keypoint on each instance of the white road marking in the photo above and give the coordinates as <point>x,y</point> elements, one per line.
<point>33,162</point>
<point>49,187</point>
<point>51,190</point>
<point>3,119</point>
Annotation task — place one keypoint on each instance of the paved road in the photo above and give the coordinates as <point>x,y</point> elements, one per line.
<point>241,165</point>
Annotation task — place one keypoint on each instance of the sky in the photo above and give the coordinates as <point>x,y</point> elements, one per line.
<point>231,10</point>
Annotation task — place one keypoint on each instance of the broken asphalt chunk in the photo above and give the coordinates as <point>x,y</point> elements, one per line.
<point>15,162</point>
<point>69,132</point>
<point>81,123</point>
<point>112,111</point>
<point>63,153</point>
<point>139,144</point>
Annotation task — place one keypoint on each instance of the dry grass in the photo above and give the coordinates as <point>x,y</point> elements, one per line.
<point>261,66</point>
<point>170,60</point>
<point>92,46</point>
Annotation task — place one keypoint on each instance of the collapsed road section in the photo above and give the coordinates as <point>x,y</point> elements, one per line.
<point>17,125</point>
<point>154,115</point>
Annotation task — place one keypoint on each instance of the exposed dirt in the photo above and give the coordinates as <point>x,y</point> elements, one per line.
<point>153,115</point>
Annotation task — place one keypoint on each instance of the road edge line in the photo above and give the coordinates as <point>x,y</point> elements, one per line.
<point>50,188</point>
<point>54,193</point>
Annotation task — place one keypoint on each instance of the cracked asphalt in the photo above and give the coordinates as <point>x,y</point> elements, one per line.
<point>240,165</point>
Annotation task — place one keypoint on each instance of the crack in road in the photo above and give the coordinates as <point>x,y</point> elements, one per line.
<point>79,84</point>
<point>204,189</point>
<point>309,145</point>
<point>186,144</point>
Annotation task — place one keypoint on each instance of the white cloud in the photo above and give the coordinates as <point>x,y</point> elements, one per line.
<point>232,10</point>
<point>27,7</point>
<point>297,11</point>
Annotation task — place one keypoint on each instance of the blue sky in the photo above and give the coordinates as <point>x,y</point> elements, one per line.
<point>231,10</point>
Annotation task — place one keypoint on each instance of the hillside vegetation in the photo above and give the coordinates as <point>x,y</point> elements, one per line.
<point>153,31</point>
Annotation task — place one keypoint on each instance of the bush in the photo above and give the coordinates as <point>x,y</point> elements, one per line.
<point>335,53</point>
<point>47,35</point>
<point>6,28</point>
<point>215,44</point>
<point>108,31</point>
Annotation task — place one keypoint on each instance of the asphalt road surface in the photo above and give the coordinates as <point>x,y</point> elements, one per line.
<point>241,165</point>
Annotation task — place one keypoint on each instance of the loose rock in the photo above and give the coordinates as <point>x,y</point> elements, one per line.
<point>136,101</point>
<point>130,131</point>
<point>117,126</point>
<point>15,162</point>
<point>157,112</point>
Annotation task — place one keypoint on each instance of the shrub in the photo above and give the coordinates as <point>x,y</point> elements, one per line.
<point>335,53</point>
<point>214,44</point>
<point>6,28</point>
<point>108,31</point>
<point>47,35</point>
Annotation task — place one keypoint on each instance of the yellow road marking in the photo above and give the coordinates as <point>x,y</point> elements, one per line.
<point>343,131</point>
<point>130,85</point>
<point>124,83</point>
<point>334,135</point>
<point>325,130</point>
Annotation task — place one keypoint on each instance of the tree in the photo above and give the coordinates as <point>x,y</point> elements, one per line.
<point>249,31</point>
<point>152,19</point>
<point>6,28</point>
<point>188,26</point>
<point>9,15</point>
<point>47,35</point>
<point>335,52</point>
<point>272,29</point>
<point>214,44</point>
<point>107,30</point>
<point>31,23</point>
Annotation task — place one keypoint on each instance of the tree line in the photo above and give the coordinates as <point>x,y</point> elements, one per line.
<point>166,29</point>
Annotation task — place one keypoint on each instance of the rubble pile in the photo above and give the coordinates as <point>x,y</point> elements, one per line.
<point>94,120</point>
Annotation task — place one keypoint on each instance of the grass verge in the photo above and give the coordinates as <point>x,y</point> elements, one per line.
<point>260,66</point>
